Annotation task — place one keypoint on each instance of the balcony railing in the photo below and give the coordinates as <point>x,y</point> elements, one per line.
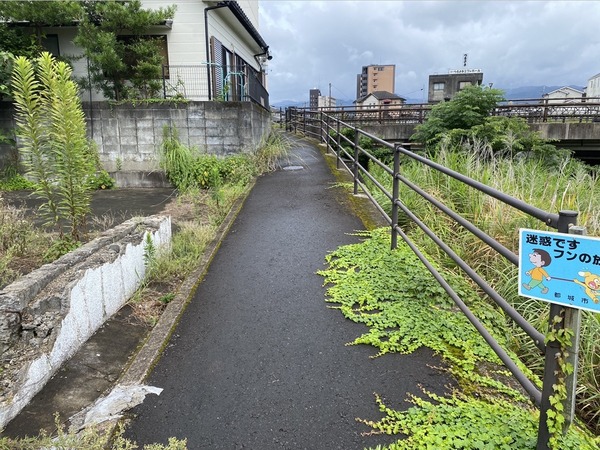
<point>221,83</point>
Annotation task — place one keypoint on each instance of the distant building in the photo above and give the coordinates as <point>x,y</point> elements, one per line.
<point>314,95</point>
<point>593,87</point>
<point>565,94</point>
<point>316,100</point>
<point>379,99</point>
<point>326,102</point>
<point>444,87</point>
<point>375,78</point>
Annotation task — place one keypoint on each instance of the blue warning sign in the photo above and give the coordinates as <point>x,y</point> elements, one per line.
<point>560,268</point>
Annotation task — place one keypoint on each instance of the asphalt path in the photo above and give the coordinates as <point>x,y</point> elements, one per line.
<point>258,360</point>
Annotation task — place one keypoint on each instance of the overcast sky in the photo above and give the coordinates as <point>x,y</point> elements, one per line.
<point>514,43</point>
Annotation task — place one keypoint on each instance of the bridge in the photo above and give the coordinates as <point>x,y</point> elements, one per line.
<point>574,126</point>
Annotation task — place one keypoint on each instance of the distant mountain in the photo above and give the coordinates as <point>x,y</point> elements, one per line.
<point>531,92</point>
<point>288,103</point>
<point>519,93</point>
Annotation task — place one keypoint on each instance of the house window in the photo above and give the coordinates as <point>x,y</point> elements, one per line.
<point>463,84</point>
<point>439,86</point>
<point>50,43</point>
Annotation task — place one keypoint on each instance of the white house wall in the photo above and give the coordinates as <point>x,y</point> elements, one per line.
<point>251,10</point>
<point>185,39</point>
<point>593,87</point>
<point>218,28</point>
<point>74,54</point>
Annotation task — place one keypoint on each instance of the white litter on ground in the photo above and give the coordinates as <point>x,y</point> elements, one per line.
<point>111,407</point>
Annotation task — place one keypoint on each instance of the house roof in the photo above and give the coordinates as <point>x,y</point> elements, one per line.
<point>241,16</point>
<point>385,95</point>
<point>562,89</point>
<point>380,95</point>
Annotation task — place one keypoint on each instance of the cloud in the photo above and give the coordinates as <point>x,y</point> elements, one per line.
<point>515,43</point>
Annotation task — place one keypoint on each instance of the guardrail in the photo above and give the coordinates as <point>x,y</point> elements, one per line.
<point>534,110</point>
<point>327,129</point>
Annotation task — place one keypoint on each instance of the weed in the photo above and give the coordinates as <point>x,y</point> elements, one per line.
<point>60,247</point>
<point>366,286</point>
<point>89,439</point>
<point>167,298</point>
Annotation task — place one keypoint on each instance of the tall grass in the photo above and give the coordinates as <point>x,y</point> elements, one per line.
<point>187,167</point>
<point>567,185</point>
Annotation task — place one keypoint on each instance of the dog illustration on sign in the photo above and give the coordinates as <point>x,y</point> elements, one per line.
<point>539,258</point>
<point>591,285</point>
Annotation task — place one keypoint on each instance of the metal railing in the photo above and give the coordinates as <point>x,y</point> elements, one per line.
<point>214,82</point>
<point>189,82</point>
<point>327,128</point>
<point>533,110</point>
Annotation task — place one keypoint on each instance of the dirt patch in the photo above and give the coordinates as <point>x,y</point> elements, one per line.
<point>110,208</point>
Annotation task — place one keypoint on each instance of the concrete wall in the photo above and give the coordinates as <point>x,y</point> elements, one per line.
<point>568,131</point>
<point>49,313</point>
<point>129,136</point>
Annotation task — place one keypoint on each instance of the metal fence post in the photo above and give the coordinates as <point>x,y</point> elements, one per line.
<point>551,369</point>
<point>573,321</point>
<point>355,166</point>
<point>304,121</point>
<point>164,80</point>
<point>395,195</point>
<point>323,129</point>
<point>338,150</point>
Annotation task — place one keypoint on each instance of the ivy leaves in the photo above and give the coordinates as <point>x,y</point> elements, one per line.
<point>392,294</point>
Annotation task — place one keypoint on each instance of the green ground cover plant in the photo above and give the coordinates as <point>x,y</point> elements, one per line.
<point>489,412</point>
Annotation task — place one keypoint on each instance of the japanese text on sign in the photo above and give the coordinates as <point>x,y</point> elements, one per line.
<point>560,268</point>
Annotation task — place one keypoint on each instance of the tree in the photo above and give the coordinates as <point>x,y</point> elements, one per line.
<point>53,141</point>
<point>470,107</point>
<point>37,14</point>
<point>19,40</point>
<point>124,62</point>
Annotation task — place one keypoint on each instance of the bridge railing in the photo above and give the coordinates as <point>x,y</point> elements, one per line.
<point>580,110</point>
<point>327,128</point>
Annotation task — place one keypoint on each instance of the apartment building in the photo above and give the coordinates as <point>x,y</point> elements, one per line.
<point>375,78</point>
<point>443,87</point>
<point>313,99</point>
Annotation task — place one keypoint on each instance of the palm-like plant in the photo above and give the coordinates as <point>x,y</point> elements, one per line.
<point>52,137</point>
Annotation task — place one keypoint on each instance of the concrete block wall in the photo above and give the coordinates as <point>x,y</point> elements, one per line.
<point>129,136</point>
<point>52,311</point>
